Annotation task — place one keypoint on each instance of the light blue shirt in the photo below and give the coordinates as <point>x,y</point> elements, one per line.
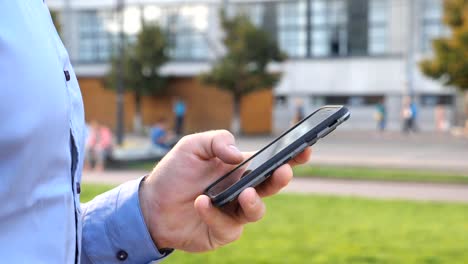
<point>42,133</point>
<point>179,108</point>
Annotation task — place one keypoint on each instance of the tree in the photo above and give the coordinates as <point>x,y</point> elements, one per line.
<point>243,69</point>
<point>56,20</point>
<point>449,63</point>
<point>141,64</point>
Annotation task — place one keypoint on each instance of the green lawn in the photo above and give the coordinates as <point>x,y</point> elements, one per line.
<point>362,173</point>
<point>318,229</point>
<point>358,173</point>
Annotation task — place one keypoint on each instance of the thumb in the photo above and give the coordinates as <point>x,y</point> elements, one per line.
<point>218,143</point>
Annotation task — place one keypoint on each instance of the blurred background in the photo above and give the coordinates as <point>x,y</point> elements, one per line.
<point>152,71</point>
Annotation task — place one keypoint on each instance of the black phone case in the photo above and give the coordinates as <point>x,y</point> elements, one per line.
<point>264,171</point>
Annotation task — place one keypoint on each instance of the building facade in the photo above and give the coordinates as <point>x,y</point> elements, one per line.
<point>352,52</point>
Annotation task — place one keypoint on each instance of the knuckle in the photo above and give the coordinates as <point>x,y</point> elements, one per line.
<point>187,140</point>
<point>225,133</point>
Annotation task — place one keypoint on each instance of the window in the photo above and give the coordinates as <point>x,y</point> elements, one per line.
<point>254,11</point>
<point>378,17</point>
<point>329,32</point>
<point>186,27</point>
<point>96,39</point>
<point>433,100</point>
<point>351,100</point>
<point>432,27</point>
<point>292,34</point>
<point>281,101</point>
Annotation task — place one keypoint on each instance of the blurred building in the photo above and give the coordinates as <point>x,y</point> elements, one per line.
<point>353,52</point>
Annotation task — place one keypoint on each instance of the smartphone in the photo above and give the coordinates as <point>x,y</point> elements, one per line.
<point>260,166</point>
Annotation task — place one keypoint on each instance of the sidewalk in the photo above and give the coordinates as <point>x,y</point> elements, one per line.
<point>423,151</point>
<point>380,190</point>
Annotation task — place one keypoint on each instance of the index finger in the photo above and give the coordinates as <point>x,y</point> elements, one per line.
<point>301,158</point>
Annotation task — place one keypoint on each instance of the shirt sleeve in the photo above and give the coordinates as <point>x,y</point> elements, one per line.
<point>114,230</point>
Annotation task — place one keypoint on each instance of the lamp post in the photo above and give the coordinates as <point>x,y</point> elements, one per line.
<point>120,76</point>
<point>410,48</point>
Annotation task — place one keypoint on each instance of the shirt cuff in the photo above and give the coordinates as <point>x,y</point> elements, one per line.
<point>114,229</point>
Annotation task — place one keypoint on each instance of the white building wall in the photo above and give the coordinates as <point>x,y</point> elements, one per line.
<point>338,76</point>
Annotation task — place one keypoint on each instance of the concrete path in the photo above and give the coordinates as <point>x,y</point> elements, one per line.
<point>381,190</point>
<point>424,151</point>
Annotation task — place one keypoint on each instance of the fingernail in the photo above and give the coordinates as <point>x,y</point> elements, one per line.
<point>235,149</point>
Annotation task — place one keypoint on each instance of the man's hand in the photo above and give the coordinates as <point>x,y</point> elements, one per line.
<point>176,213</point>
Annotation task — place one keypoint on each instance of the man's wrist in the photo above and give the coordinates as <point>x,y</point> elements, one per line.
<point>150,209</point>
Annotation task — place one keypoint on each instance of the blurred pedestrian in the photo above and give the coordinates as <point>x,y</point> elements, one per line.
<point>179,111</point>
<point>408,113</point>
<point>161,136</point>
<point>299,112</point>
<point>440,118</point>
<point>414,115</point>
<point>381,115</point>
<point>98,146</point>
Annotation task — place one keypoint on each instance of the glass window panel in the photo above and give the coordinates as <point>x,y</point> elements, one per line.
<point>293,43</point>
<point>254,11</point>
<point>320,36</point>
<point>186,26</point>
<point>432,26</point>
<point>377,47</point>
<point>95,36</point>
<point>378,11</point>
<point>292,13</point>
<point>377,33</point>
<point>378,21</point>
<point>320,49</point>
<point>433,30</point>
<point>319,6</point>
<point>319,19</point>
<point>291,17</point>
<point>432,9</point>
<point>329,29</point>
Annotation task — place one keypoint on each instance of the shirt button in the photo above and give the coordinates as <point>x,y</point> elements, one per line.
<point>78,187</point>
<point>67,75</point>
<point>122,255</point>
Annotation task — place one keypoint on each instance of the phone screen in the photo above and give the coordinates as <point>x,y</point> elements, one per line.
<point>266,154</point>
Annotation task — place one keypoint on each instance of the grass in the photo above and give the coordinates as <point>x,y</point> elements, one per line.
<point>88,191</point>
<point>320,229</point>
<point>362,173</point>
<point>357,173</point>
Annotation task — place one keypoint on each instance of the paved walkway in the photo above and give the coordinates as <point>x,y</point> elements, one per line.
<point>381,190</point>
<point>426,151</point>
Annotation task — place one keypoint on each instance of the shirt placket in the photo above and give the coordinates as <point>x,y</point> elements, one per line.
<point>74,136</point>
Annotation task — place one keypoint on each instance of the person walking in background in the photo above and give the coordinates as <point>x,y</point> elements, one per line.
<point>414,115</point>
<point>440,118</point>
<point>408,113</point>
<point>298,111</point>
<point>381,115</point>
<point>98,146</point>
<point>179,111</point>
